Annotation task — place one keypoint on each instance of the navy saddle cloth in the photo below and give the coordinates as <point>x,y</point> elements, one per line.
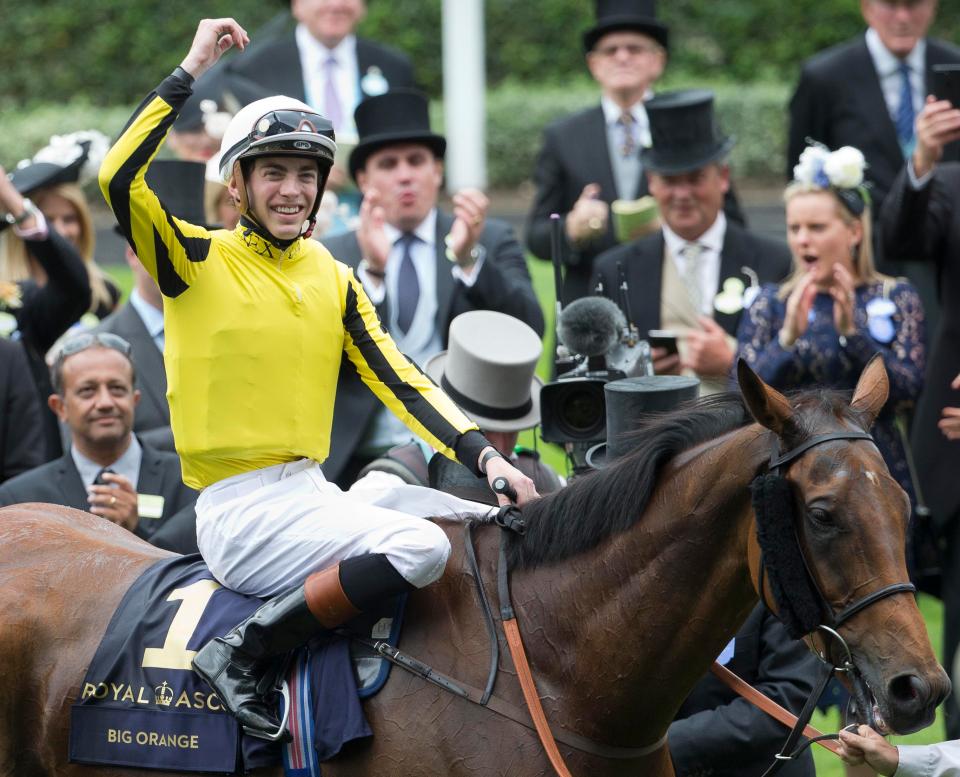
<point>142,705</point>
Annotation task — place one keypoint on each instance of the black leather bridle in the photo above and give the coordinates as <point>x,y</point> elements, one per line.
<point>835,619</point>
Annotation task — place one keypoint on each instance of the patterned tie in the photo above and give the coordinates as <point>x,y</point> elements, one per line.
<point>905,115</point>
<point>331,97</point>
<point>692,253</point>
<point>408,285</point>
<point>628,146</point>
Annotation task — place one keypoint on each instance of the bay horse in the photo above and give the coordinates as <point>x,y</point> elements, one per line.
<point>627,584</point>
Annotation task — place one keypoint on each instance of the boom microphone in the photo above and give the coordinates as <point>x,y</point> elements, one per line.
<point>591,326</point>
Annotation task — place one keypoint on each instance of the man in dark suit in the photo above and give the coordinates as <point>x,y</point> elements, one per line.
<point>866,93</point>
<point>718,733</point>
<point>107,471</point>
<point>21,427</point>
<point>694,275</point>
<point>420,266</point>
<point>921,220</point>
<point>590,159</point>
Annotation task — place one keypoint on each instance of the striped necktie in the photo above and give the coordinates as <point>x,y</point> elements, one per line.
<point>905,114</point>
<point>692,254</point>
<point>331,97</point>
<point>628,125</point>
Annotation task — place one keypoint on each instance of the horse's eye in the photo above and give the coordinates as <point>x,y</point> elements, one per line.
<point>820,516</point>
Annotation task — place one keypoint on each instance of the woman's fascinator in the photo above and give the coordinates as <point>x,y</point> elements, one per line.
<point>840,171</point>
<point>73,158</point>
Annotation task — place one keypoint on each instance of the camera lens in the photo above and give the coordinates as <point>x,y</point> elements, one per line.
<point>580,410</point>
<point>573,410</point>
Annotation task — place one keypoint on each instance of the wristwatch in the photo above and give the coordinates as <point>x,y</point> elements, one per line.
<point>29,209</point>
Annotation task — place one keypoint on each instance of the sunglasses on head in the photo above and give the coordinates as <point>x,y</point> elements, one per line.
<point>91,339</point>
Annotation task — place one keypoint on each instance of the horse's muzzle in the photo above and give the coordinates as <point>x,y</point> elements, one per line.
<point>912,700</point>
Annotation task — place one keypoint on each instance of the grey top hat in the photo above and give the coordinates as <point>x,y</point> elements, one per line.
<point>488,369</point>
<point>630,400</point>
<point>684,132</point>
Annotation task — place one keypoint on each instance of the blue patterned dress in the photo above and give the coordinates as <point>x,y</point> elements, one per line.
<point>890,324</point>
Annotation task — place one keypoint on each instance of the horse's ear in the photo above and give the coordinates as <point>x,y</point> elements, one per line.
<point>770,407</point>
<point>872,390</point>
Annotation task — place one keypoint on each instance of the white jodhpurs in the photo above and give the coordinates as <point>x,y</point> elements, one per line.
<point>264,532</point>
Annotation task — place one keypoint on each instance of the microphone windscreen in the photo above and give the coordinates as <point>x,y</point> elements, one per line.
<point>590,326</point>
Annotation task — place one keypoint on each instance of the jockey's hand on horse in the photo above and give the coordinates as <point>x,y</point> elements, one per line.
<point>867,746</point>
<point>520,483</point>
<point>116,502</point>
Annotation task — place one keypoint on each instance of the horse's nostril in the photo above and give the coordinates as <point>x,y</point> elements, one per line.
<point>909,688</point>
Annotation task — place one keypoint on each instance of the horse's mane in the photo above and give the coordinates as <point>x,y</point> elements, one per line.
<point>602,504</point>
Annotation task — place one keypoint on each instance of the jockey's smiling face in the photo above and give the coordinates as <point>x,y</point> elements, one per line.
<point>281,191</point>
<point>98,398</point>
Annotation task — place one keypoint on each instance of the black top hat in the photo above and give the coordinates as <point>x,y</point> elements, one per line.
<point>628,401</point>
<point>218,91</point>
<point>399,116</point>
<point>638,15</point>
<point>684,132</point>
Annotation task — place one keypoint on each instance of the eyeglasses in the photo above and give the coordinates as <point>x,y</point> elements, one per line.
<point>283,122</point>
<point>91,339</point>
<point>633,49</point>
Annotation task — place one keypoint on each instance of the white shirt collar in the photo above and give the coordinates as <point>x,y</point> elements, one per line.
<point>127,465</point>
<point>886,63</point>
<point>425,231</point>
<point>612,111</point>
<point>151,317</point>
<point>712,239</point>
<point>313,54</point>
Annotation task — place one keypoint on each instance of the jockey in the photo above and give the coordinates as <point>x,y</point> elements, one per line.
<point>256,321</point>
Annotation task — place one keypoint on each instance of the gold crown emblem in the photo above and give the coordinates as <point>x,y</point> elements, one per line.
<point>163,694</point>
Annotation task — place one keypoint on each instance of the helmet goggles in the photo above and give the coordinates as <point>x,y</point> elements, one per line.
<point>292,132</point>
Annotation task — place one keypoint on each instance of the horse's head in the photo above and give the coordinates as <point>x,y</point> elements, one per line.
<point>850,519</point>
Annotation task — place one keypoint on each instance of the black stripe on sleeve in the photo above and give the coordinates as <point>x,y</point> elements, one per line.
<point>121,182</point>
<point>170,283</point>
<point>413,401</point>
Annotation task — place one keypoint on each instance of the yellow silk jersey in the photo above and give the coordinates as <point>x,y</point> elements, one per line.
<point>254,335</point>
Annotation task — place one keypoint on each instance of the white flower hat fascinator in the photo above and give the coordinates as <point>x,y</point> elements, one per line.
<point>841,171</point>
<point>73,158</point>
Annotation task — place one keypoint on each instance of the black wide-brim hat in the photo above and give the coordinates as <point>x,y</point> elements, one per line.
<point>399,116</point>
<point>631,400</point>
<point>684,133</point>
<point>636,15</point>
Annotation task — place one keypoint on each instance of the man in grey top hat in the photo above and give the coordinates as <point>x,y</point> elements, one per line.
<point>695,275</point>
<point>488,370</point>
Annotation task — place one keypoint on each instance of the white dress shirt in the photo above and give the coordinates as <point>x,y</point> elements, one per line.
<point>888,70</point>
<point>313,58</point>
<point>711,243</point>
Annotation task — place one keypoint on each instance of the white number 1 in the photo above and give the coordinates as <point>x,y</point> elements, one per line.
<point>174,653</point>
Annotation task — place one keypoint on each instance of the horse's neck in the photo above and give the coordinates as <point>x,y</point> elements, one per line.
<point>650,609</point>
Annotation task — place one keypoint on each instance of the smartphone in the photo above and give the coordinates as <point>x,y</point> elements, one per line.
<point>945,83</point>
<point>663,338</point>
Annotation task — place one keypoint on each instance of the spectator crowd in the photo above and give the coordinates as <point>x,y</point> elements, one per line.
<point>440,326</point>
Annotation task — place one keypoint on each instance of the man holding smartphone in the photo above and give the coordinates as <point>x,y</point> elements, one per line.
<point>690,279</point>
<point>921,223</point>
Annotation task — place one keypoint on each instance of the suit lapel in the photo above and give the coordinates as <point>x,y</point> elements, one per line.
<point>868,95</point>
<point>734,255</point>
<point>70,484</point>
<point>150,478</point>
<point>445,282</point>
<point>595,155</point>
<point>152,378</point>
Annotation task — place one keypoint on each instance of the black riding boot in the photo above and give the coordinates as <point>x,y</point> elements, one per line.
<point>234,665</point>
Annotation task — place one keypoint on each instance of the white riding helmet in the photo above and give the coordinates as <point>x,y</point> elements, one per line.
<point>277,126</point>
